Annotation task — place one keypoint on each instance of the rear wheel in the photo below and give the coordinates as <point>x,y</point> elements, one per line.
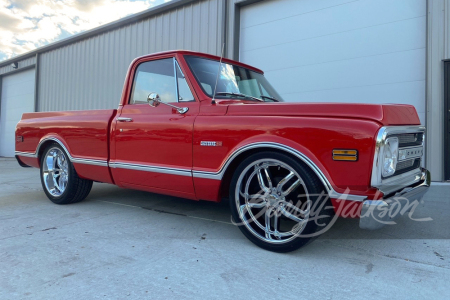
<point>275,201</point>
<point>59,179</point>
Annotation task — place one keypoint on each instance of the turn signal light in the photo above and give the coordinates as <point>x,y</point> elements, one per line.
<point>345,155</point>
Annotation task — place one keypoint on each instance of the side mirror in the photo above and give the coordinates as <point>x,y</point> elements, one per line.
<point>153,99</point>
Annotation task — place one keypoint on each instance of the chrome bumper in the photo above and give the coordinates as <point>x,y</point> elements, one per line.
<point>378,213</point>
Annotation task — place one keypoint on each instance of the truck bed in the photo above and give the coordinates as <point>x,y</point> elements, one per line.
<point>84,133</point>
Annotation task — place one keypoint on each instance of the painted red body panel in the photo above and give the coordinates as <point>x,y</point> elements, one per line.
<point>85,134</point>
<point>392,114</point>
<point>159,137</point>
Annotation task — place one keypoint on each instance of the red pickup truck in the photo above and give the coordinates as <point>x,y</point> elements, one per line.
<point>192,126</point>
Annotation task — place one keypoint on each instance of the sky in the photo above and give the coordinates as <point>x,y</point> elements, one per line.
<point>28,24</point>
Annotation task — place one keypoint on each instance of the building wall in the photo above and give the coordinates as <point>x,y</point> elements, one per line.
<point>438,49</point>
<point>21,64</point>
<point>364,52</point>
<point>89,74</point>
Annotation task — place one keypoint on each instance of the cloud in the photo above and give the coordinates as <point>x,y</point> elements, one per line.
<point>28,24</point>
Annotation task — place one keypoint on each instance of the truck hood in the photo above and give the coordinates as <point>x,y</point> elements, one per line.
<point>385,114</point>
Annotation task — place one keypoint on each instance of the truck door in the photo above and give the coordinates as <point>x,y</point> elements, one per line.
<point>153,145</point>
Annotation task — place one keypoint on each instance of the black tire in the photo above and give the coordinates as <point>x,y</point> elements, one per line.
<point>76,189</point>
<point>275,166</point>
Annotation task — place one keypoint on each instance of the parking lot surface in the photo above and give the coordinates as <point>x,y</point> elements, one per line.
<point>121,243</point>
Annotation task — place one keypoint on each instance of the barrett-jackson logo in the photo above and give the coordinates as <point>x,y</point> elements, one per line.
<point>210,144</point>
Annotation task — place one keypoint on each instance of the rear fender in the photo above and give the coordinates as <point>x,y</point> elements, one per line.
<point>86,167</point>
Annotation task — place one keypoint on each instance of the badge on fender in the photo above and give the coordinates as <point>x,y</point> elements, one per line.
<point>210,144</point>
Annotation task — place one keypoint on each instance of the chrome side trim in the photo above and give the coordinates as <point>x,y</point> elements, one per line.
<point>86,161</point>
<point>208,175</point>
<point>391,184</point>
<point>335,195</point>
<point>26,154</point>
<point>150,168</point>
<point>94,162</point>
<point>331,192</point>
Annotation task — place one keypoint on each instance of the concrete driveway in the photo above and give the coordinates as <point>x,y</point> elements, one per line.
<point>121,243</point>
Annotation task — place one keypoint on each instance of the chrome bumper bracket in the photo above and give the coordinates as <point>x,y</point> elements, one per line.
<point>376,214</point>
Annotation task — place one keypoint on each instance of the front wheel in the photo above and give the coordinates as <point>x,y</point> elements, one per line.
<point>278,202</point>
<point>59,179</point>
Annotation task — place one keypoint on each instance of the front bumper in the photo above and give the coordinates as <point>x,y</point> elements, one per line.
<point>378,213</point>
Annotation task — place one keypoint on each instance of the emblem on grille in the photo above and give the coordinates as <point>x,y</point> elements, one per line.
<point>407,153</point>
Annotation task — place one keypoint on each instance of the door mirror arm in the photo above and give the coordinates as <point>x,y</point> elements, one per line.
<point>154,100</point>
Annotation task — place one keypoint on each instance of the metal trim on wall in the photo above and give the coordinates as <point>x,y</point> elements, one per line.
<point>1,85</point>
<point>446,120</point>
<point>18,70</point>
<point>36,82</point>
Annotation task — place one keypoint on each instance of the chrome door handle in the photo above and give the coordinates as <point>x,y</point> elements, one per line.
<point>121,119</point>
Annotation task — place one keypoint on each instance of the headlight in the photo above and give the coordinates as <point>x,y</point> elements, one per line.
<point>390,155</point>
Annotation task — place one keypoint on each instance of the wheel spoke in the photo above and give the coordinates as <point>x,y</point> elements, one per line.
<point>284,181</point>
<point>267,217</point>
<point>246,207</point>
<point>290,216</point>
<point>49,163</point>
<point>276,224</point>
<point>292,187</point>
<point>55,158</point>
<point>261,181</point>
<point>266,171</point>
<point>255,196</point>
<point>56,184</point>
<point>295,208</point>
<point>48,179</point>
<point>60,161</point>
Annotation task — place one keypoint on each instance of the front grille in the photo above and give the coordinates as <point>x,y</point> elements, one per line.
<point>409,139</point>
<point>407,165</point>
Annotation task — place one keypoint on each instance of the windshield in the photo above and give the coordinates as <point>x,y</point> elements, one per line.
<point>234,81</point>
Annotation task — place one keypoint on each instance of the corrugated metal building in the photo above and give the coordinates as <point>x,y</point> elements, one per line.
<point>373,51</point>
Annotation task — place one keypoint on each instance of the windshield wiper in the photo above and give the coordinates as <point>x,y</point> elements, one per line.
<point>270,98</point>
<point>240,95</point>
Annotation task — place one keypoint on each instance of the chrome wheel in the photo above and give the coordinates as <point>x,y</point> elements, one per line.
<point>272,201</point>
<point>55,172</point>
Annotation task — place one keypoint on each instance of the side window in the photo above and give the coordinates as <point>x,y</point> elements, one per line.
<point>154,77</point>
<point>184,92</point>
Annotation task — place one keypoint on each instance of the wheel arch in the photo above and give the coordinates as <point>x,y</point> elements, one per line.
<point>45,142</point>
<point>242,153</point>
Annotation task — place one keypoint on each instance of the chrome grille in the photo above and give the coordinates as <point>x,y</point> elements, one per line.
<point>405,164</point>
<point>410,139</point>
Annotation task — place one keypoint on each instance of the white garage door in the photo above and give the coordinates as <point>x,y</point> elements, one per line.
<point>17,98</point>
<point>370,51</point>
